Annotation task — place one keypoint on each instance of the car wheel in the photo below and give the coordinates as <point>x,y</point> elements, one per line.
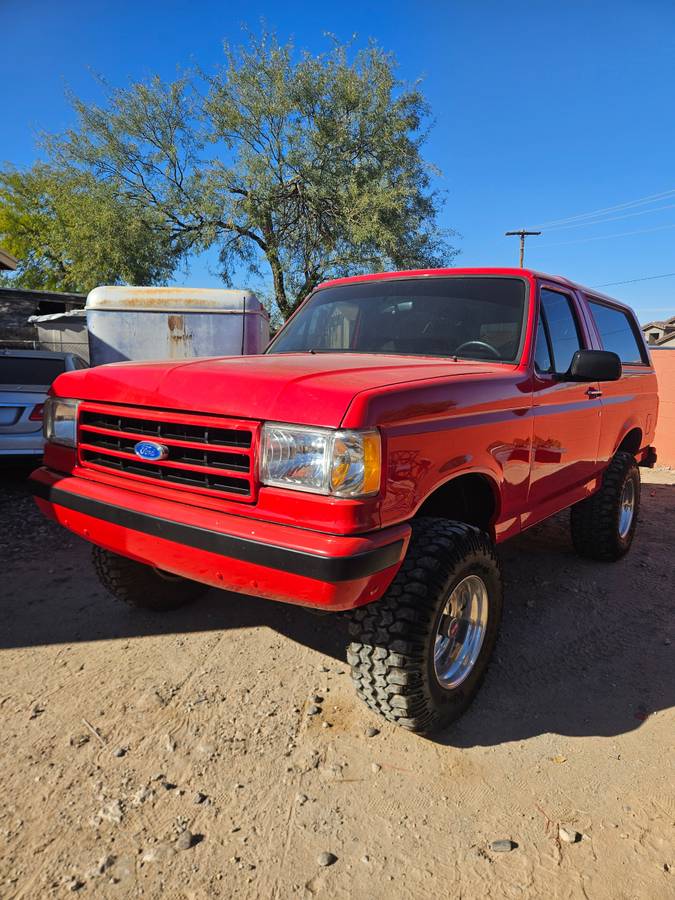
<point>603,526</point>
<point>142,586</point>
<point>419,654</point>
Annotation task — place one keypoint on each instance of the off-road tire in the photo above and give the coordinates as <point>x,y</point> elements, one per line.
<point>595,522</point>
<point>142,586</point>
<point>392,650</point>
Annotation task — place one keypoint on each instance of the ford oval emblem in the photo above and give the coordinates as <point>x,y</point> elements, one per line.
<point>151,451</point>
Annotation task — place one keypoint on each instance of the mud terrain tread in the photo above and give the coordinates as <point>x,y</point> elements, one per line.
<point>139,586</point>
<point>594,522</point>
<point>391,637</point>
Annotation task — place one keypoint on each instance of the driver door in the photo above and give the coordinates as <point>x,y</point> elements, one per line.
<point>566,414</point>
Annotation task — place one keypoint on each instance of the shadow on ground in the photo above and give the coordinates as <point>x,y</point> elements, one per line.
<point>585,649</point>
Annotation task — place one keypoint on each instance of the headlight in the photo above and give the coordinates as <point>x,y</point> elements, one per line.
<point>60,421</point>
<point>322,461</point>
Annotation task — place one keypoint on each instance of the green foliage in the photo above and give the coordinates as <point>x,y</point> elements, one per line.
<point>303,167</point>
<point>70,232</point>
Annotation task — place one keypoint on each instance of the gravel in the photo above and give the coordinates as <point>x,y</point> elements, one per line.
<point>25,530</point>
<point>111,812</point>
<point>569,835</point>
<point>503,846</point>
<point>184,840</point>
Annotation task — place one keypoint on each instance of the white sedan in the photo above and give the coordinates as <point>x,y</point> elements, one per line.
<point>25,377</point>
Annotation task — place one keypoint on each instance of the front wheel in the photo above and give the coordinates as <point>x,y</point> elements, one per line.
<point>603,526</point>
<point>142,586</point>
<point>418,655</point>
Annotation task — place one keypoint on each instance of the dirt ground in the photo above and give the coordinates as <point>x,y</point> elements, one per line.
<point>119,730</point>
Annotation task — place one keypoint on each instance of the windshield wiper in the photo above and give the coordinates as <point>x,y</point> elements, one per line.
<point>330,350</point>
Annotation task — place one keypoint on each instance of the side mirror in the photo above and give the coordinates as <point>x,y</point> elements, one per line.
<point>594,365</point>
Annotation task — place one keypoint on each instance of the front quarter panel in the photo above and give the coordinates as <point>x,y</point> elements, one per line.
<point>434,432</point>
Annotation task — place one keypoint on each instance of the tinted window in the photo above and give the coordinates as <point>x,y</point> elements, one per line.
<point>562,328</point>
<point>29,369</point>
<point>473,318</point>
<point>616,332</point>
<point>542,355</point>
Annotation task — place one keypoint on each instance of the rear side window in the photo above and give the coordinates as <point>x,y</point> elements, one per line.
<point>38,370</point>
<point>561,324</point>
<point>617,334</point>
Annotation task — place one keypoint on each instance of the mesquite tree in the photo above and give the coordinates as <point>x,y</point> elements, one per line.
<point>294,165</point>
<point>71,232</point>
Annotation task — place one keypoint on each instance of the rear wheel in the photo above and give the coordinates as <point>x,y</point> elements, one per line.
<point>603,527</point>
<point>418,655</point>
<point>141,586</point>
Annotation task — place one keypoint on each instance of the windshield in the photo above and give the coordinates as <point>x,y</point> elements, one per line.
<point>470,317</point>
<point>37,370</point>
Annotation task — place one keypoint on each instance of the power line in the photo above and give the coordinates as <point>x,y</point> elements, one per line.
<point>634,280</point>
<point>630,215</point>
<point>596,212</point>
<point>605,237</point>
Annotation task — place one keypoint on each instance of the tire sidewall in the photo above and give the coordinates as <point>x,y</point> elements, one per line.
<point>142,586</point>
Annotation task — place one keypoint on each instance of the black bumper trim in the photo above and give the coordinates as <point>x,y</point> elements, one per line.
<point>296,562</point>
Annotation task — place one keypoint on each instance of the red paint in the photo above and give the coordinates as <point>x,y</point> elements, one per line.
<point>540,443</point>
<point>217,570</point>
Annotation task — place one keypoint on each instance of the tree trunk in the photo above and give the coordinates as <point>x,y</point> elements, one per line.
<point>272,254</point>
<point>285,308</point>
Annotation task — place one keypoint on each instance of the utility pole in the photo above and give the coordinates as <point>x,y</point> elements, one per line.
<point>523,234</point>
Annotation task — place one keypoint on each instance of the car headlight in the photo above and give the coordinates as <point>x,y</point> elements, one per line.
<point>320,460</point>
<point>59,423</point>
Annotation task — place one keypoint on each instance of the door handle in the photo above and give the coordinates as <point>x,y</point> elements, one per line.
<point>593,393</point>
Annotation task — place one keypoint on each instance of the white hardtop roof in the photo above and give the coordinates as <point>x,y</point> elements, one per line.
<point>172,299</point>
<point>39,354</point>
<point>55,317</point>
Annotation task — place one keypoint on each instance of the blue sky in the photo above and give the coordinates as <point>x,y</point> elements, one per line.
<point>543,110</point>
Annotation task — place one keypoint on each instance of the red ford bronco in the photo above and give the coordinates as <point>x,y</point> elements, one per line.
<point>397,428</point>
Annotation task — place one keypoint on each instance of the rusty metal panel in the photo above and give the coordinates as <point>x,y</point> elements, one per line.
<point>137,323</point>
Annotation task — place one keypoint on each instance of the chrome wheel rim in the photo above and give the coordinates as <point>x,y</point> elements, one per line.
<point>461,632</point>
<point>626,508</point>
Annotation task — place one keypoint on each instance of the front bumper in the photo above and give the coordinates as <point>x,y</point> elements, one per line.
<point>17,443</point>
<point>277,562</point>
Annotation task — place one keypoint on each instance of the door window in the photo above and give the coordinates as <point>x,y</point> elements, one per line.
<point>563,331</point>
<point>542,354</point>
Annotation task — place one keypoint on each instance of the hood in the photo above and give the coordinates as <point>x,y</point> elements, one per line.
<point>304,388</point>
